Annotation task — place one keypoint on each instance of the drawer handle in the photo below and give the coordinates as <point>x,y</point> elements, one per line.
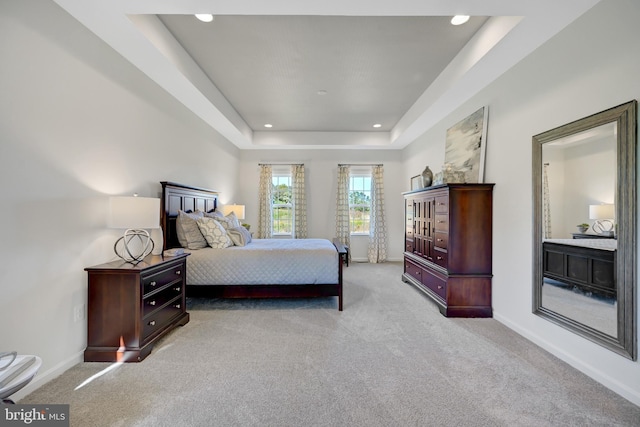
<point>178,272</point>
<point>152,302</point>
<point>177,288</point>
<point>152,323</point>
<point>439,257</point>
<point>439,240</point>
<point>152,284</point>
<point>441,203</point>
<point>439,286</point>
<point>440,221</point>
<point>177,305</point>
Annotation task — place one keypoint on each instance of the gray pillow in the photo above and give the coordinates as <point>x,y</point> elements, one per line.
<point>240,236</point>
<point>189,234</point>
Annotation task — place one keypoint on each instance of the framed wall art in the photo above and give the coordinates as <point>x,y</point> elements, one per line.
<point>466,145</point>
<point>416,182</point>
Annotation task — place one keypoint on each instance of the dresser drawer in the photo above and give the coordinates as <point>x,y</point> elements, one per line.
<point>160,318</point>
<point>441,241</point>
<point>413,270</point>
<point>442,204</point>
<point>440,258</point>
<point>408,246</point>
<point>157,300</point>
<point>436,284</point>
<point>442,222</point>
<point>160,278</point>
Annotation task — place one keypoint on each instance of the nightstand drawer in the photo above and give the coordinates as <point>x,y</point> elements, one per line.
<point>159,319</point>
<point>157,300</point>
<point>158,279</point>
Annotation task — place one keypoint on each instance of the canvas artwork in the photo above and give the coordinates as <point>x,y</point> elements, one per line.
<point>466,144</point>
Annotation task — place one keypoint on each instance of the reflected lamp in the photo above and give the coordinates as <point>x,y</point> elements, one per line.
<point>602,215</point>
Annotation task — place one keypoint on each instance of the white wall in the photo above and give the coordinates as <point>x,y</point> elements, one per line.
<point>590,66</point>
<point>321,170</point>
<point>77,123</point>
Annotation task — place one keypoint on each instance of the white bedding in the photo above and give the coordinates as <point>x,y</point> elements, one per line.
<point>265,262</point>
<point>604,244</point>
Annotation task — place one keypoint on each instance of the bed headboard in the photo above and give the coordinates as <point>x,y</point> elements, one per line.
<point>177,197</point>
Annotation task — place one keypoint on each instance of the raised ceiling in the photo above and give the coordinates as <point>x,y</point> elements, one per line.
<point>323,74</point>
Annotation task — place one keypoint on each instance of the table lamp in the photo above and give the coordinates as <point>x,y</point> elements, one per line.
<point>135,214</point>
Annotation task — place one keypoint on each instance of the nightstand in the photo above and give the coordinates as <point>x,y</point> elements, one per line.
<point>130,307</point>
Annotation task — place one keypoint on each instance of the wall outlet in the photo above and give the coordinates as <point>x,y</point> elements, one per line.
<point>79,312</point>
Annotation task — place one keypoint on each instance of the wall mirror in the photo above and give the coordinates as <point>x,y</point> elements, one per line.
<point>584,227</point>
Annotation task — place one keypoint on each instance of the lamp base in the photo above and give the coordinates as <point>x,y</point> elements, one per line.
<point>603,227</point>
<point>133,246</point>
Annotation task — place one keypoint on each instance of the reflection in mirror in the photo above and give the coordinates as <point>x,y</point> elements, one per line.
<point>584,227</point>
<point>579,172</point>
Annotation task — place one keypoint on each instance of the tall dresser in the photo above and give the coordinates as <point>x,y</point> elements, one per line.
<point>447,253</point>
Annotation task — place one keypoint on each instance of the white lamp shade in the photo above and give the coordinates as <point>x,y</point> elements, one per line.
<point>134,212</point>
<point>237,209</point>
<point>604,211</point>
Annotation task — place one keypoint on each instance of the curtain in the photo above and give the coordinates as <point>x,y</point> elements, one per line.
<point>299,200</point>
<point>264,202</point>
<point>546,208</point>
<point>343,233</point>
<point>377,225</point>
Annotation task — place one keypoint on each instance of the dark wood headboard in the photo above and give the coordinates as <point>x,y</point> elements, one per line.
<point>177,197</point>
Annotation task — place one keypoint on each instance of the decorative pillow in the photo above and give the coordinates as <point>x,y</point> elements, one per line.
<point>239,235</point>
<point>228,222</point>
<point>189,234</point>
<point>214,233</point>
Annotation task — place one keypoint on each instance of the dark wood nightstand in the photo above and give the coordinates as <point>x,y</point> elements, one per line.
<point>130,307</point>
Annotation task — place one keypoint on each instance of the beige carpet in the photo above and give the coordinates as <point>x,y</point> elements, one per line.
<point>389,359</point>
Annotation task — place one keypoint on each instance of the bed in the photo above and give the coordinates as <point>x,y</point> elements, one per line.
<point>588,264</point>
<point>264,268</point>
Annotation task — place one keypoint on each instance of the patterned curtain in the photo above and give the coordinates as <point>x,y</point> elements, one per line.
<point>265,230</point>
<point>377,225</point>
<point>546,208</point>
<point>343,232</point>
<point>299,201</point>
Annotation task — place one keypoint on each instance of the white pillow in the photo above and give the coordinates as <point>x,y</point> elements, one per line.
<point>214,233</point>
<point>189,234</point>
<point>239,235</point>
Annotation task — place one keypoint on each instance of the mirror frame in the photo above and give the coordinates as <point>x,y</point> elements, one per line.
<point>625,116</point>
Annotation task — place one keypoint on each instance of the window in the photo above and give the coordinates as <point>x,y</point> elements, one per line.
<point>359,202</point>
<point>282,214</point>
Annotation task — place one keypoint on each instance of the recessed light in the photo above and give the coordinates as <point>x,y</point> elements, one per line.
<point>204,17</point>
<point>459,19</point>
<point>377,125</point>
<point>268,125</point>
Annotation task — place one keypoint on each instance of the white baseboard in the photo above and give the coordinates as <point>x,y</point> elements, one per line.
<point>593,372</point>
<point>42,378</point>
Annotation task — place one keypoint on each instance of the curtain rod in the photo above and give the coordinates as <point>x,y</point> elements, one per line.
<point>280,164</point>
<point>360,164</point>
